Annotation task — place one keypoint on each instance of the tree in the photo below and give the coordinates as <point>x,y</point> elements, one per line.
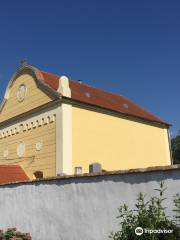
<point>150,218</point>
<point>175,145</point>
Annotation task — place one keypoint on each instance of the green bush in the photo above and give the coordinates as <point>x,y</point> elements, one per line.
<point>12,234</point>
<point>149,215</point>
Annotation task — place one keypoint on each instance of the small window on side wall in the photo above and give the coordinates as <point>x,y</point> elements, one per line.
<point>38,174</point>
<point>78,170</point>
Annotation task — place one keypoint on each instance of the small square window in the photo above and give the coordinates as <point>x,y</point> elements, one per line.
<point>78,170</point>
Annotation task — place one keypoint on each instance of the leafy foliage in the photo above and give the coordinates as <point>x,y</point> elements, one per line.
<point>12,234</point>
<point>175,144</point>
<point>148,215</point>
<point>177,209</point>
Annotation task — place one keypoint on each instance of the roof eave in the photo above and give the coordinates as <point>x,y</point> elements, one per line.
<point>167,125</point>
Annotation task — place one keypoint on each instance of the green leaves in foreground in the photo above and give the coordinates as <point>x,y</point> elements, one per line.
<point>149,215</point>
<point>12,234</point>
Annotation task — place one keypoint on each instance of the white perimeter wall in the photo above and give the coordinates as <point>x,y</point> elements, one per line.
<point>83,208</point>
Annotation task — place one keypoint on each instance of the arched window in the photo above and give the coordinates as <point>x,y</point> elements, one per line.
<point>38,174</point>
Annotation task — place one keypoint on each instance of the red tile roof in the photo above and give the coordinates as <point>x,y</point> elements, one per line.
<point>12,173</point>
<point>97,97</point>
<point>51,79</point>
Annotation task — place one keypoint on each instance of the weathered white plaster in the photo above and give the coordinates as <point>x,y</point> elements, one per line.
<point>78,208</point>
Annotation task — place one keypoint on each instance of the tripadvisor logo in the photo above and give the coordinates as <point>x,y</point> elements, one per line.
<point>139,231</point>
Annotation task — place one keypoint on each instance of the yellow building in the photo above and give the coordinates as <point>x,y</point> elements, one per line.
<point>52,125</point>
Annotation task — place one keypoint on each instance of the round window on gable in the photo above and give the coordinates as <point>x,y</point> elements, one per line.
<point>21,93</point>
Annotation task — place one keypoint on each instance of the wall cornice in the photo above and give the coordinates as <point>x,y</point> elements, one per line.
<point>26,124</point>
<point>30,113</point>
<point>99,109</point>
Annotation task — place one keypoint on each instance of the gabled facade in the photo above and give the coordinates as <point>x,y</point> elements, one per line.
<point>54,125</point>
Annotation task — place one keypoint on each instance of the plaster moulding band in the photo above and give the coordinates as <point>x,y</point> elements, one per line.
<point>31,123</point>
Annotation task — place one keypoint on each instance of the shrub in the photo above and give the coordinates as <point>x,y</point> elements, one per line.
<point>12,234</point>
<point>149,215</point>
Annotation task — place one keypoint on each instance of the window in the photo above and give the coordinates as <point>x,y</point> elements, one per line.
<point>38,174</point>
<point>78,170</point>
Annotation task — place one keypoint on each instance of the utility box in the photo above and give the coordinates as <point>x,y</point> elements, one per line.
<point>95,168</point>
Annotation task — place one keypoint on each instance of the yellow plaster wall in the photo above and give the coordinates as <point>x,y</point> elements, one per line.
<point>34,98</point>
<point>44,159</point>
<point>116,143</point>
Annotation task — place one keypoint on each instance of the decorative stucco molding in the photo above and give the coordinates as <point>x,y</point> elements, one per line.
<point>21,148</point>
<point>37,78</point>
<point>61,114</point>
<point>39,145</point>
<point>64,88</point>
<point>30,123</point>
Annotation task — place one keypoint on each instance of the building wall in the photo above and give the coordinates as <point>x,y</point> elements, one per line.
<point>79,208</point>
<point>33,159</point>
<point>115,142</point>
<point>34,98</point>
<point>29,130</point>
